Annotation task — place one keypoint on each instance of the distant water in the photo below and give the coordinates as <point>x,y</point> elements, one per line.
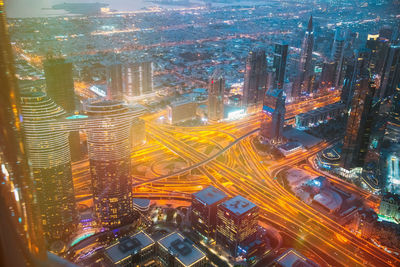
<point>34,8</point>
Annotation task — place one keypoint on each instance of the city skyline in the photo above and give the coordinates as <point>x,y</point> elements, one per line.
<point>201,133</point>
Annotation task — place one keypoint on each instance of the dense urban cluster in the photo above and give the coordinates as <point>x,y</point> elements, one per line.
<point>207,134</point>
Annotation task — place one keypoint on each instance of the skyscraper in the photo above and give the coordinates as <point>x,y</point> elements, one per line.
<point>255,78</point>
<point>337,57</point>
<point>50,159</point>
<point>391,73</point>
<point>279,64</point>
<point>216,96</point>
<point>358,125</point>
<point>237,220</point>
<point>110,163</point>
<point>114,82</point>
<point>274,116</point>
<point>327,78</point>
<point>132,79</point>
<point>60,83</point>
<point>147,77</point>
<point>12,150</point>
<point>305,64</point>
<point>204,211</point>
<point>60,88</point>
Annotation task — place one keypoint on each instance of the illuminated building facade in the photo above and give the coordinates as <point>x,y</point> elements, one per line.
<point>132,79</point>
<point>204,211</point>
<point>237,220</point>
<point>358,125</point>
<point>255,78</point>
<point>279,64</point>
<point>50,164</point>
<point>216,97</point>
<point>305,64</point>
<point>390,206</point>
<point>274,116</point>
<point>110,165</point>
<point>147,77</point>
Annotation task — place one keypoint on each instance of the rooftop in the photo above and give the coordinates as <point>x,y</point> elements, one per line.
<point>210,195</point>
<point>293,258</point>
<point>238,205</point>
<point>128,246</point>
<point>182,248</point>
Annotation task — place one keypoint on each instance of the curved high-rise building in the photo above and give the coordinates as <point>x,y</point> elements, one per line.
<point>49,154</point>
<point>109,155</point>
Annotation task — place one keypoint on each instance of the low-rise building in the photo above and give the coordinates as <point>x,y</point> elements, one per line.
<point>133,250</point>
<point>174,250</point>
<point>181,110</point>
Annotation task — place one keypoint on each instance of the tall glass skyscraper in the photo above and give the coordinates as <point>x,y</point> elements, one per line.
<point>255,78</point>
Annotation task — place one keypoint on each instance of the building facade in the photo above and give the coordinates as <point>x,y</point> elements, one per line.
<point>109,148</point>
<point>274,116</point>
<point>255,78</point>
<point>50,159</point>
<point>204,211</point>
<point>216,96</point>
<point>279,65</point>
<point>237,220</point>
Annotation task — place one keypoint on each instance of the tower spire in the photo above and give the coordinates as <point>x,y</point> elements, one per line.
<point>310,24</point>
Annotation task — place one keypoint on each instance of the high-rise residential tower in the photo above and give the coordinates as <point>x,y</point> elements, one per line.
<point>255,78</point>
<point>110,163</point>
<point>216,91</point>
<point>50,159</point>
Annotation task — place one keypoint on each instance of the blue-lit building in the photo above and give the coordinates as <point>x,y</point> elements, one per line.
<point>237,220</point>
<point>204,211</point>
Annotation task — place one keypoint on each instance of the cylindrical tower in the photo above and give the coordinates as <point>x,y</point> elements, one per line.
<point>109,154</point>
<point>48,150</point>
